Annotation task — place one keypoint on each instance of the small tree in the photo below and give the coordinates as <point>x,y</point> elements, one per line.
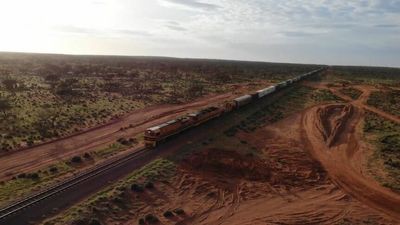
<point>137,188</point>
<point>52,78</point>
<point>76,159</point>
<point>10,84</point>
<point>5,106</point>
<point>150,218</point>
<point>168,214</point>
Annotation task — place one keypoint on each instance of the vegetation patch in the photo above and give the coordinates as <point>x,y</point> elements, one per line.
<point>388,101</point>
<point>25,183</point>
<point>385,135</point>
<point>291,101</point>
<point>43,98</point>
<point>122,197</point>
<point>368,75</point>
<point>351,92</point>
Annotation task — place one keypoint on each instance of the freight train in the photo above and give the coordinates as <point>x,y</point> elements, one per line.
<point>159,133</point>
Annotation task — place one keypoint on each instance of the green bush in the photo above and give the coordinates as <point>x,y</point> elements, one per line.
<point>149,185</point>
<point>141,221</point>
<point>179,211</point>
<point>76,159</point>
<point>150,218</point>
<point>94,222</point>
<point>137,188</point>
<point>168,214</point>
<point>33,176</point>
<point>53,169</point>
<point>21,175</point>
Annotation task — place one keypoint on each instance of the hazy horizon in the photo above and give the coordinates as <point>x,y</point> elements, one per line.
<point>363,32</point>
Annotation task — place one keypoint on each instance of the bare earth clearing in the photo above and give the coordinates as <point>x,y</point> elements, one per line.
<point>287,185</point>
<point>309,168</point>
<point>312,170</point>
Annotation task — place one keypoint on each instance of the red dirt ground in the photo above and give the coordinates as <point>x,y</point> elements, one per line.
<point>34,158</point>
<point>310,168</point>
<point>294,178</point>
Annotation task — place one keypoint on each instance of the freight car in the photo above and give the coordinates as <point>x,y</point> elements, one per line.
<point>281,85</point>
<point>243,100</point>
<point>266,91</point>
<point>156,134</point>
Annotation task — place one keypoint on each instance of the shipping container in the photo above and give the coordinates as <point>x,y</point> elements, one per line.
<point>281,85</point>
<point>266,91</point>
<point>243,100</point>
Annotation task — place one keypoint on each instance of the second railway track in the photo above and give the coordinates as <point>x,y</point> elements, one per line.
<point>70,182</point>
<point>123,160</point>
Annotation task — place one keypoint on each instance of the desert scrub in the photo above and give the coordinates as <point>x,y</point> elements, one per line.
<point>285,103</point>
<point>25,183</point>
<point>367,75</point>
<point>388,101</point>
<point>385,136</point>
<point>322,95</point>
<point>351,92</point>
<point>117,199</point>
<point>57,96</point>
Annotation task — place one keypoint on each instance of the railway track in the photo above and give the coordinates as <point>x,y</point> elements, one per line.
<point>71,182</point>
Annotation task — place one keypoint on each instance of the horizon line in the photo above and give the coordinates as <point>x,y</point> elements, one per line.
<point>195,58</point>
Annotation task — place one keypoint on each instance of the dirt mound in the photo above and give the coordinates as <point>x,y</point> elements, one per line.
<point>222,162</point>
<point>332,120</point>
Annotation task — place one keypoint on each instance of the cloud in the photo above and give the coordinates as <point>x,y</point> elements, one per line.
<point>193,4</point>
<point>100,32</point>
<point>173,25</point>
<point>75,30</point>
<point>298,34</point>
<point>133,32</point>
<point>392,6</point>
<point>387,25</point>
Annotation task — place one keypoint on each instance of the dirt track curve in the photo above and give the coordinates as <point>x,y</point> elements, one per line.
<point>332,139</point>
<point>361,102</point>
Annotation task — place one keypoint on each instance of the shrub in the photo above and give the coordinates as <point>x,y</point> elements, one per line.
<point>33,176</point>
<point>76,159</point>
<point>21,175</point>
<point>179,211</point>
<point>141,221</point>
<point>87,156</point>
<point>53,169</point>
<point>94,222</point>
<point>124,141</point>
<point>137,188</point>
<point>150,218</point>
<point>168,214</point>
<point>149,185</point>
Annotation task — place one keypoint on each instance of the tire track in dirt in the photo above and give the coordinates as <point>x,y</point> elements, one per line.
<point>338,160</point>
<point>361,102</point>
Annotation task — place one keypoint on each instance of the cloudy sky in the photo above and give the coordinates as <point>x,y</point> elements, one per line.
<point>361,32</point>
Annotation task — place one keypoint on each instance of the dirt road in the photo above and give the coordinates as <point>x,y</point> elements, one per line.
<point>338,157</point>
<point>361,102</point>
<point>36,157</point>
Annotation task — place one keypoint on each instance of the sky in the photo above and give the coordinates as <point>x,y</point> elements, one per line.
<point>346,32</point>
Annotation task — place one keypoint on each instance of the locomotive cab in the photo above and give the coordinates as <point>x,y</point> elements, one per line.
<point>151,136</point>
